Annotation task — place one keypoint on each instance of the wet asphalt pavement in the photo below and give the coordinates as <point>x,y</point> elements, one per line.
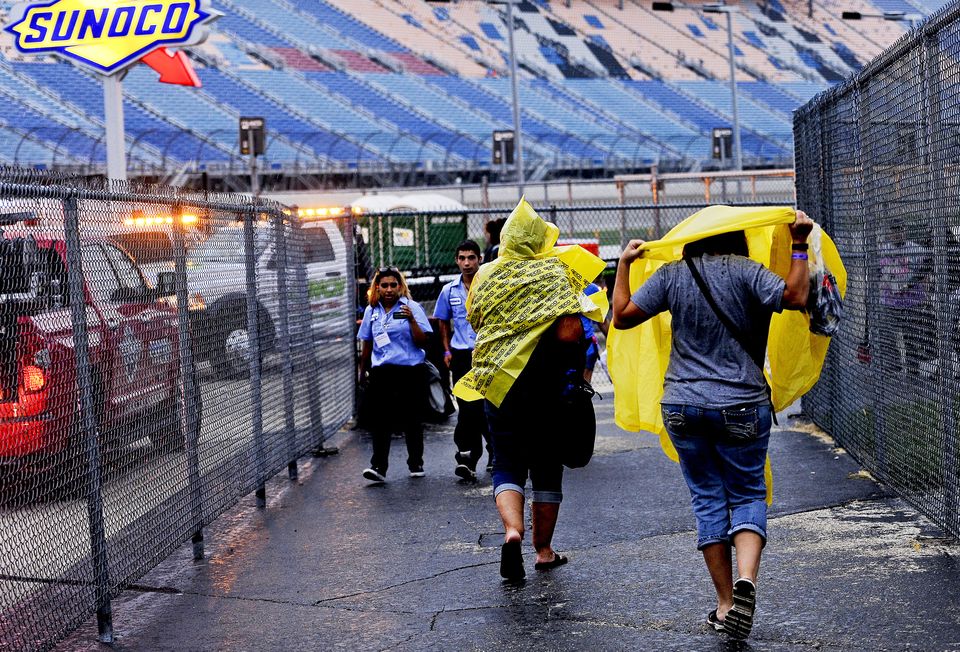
<point>413,565</point>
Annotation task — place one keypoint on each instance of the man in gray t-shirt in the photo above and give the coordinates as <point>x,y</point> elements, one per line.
<point>708,366</point>
<point>715,406</point>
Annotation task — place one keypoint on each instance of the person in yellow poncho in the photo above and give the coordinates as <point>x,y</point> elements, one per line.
<point>716,404</point>
<point>525,309</point>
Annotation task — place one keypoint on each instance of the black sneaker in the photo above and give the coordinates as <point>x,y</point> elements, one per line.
<point>739,620</point>
<point>373,475</point>
<point>463,457</point>
<point>417,472</point>
<point>464,472</point>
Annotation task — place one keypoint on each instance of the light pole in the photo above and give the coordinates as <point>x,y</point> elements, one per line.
<point>898,16</point>
<point>514,86</point>
<point>731,53</point>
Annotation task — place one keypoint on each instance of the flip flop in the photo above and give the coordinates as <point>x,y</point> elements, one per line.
<point>558,560</point>
<point>739,620</point>
<point>714,622</point>
<point>511,562</point>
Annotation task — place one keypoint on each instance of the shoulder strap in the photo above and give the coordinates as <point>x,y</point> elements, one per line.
<point>729,325</point>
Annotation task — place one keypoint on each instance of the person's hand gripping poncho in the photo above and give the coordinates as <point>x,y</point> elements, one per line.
<point>515,298</point>
<point>637,358</point>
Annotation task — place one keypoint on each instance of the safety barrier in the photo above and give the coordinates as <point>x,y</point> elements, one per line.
<point>876,161</point>
<point>162,354</point>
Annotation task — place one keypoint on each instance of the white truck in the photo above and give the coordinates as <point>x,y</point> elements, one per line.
<point>216,285</point>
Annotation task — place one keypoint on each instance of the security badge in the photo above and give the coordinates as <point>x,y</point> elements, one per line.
<point>456,301</point>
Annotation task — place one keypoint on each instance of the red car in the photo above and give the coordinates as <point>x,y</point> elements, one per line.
<point>133,352</point>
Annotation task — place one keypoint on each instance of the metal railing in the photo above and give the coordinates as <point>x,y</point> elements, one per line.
<point>875,161</point>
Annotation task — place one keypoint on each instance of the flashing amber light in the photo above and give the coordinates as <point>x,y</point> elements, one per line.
<point>336,211</point>
<point>188,219</point>
<point>356,210</point>
<point>33,379</point>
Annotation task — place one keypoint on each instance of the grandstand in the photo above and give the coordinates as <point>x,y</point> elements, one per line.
<point>352,89</point>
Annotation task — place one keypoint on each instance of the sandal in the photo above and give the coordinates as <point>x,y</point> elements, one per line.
<point>739,620</point>
<point>511,562</point>
<point>714,622</point>
<point>558,560</point>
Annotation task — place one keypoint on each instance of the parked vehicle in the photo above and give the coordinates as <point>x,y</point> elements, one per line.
<point>133,349</point>
<point>216,285</point>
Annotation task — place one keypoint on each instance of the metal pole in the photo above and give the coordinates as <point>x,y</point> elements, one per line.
<point>253,334</point>
<point>88,422</point>
<point>737,151</point>
<point>113,118</point>
<point>254,180</point>
<point>517,142</point>
<point>280,240</point>
<point>307,356</point>
<point>622,196</point>
<point>189,420</point>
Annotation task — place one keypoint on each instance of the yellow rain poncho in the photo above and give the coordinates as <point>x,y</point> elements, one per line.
<point>637,358</point>
<point>515,298</point>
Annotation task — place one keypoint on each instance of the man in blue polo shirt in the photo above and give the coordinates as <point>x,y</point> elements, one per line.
<point>458,343</point>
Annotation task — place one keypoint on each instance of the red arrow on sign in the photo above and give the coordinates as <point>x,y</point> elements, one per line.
<point>174,67</point>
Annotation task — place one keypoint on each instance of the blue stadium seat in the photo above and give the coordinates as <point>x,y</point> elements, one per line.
<point>245,99</point>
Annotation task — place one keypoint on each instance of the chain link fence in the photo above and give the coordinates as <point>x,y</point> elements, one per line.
<point>876,164</point>
<point>162,354</point>
<point>423,244</point>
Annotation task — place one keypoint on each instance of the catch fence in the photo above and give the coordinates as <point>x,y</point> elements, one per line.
<point>876,164</point>
<point>162,354</point>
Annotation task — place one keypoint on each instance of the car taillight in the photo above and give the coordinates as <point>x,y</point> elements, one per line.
<point>34,379</point>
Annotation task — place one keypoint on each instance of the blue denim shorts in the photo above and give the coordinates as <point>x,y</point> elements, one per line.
<point>519,448</point>
<point>722,454</point>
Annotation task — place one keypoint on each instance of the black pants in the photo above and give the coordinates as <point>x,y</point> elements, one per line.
<point>398,395</point>
<point>471,431</point>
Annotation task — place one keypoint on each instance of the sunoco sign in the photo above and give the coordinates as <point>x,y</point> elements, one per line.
<point>107,35</point>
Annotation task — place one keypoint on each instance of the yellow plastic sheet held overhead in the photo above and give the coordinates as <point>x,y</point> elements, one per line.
<point>637,358</point>
<point>516,297</point>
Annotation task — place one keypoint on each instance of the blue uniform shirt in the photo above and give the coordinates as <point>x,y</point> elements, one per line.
<point>452,306</point>
<point>392,340</point>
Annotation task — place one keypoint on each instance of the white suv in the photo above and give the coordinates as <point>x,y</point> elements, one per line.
<point>216,284</point>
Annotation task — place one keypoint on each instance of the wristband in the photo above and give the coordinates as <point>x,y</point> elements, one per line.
<point>800,246</point>
<point>800,256</point>
<point>447,353</point>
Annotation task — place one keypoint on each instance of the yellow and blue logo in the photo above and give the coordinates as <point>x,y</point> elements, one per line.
<point>107,34</point>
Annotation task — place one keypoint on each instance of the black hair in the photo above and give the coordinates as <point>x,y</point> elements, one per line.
<point>734,242</point>
<point>493,228</point>
<point>469,245</point>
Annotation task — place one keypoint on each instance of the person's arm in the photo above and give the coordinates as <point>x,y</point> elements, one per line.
<point>366,350</point>
<point>627,314</point>
<point>445,331</point>
<point>798,279</point>
<point>420,338</point>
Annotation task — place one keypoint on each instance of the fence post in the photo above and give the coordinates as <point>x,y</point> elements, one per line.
<point>348,230</point>
<point>280,241</point>
<point>655,191</point>
<point>189,421</point>
<point>622,196</point>
<point>311,369</point>
<point>253,334</point>
<point>88,422</point>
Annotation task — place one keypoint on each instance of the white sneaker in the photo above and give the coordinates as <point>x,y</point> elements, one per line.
<point>417,472</point>
<point>374,476</point>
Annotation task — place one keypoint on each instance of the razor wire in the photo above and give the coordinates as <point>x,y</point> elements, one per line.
<point>876,161</point>
<point>162,355</point>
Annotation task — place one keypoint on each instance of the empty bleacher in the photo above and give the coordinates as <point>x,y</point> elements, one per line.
<point>373,84</point>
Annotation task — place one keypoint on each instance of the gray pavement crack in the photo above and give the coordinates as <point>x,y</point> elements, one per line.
<point>404,583</point>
